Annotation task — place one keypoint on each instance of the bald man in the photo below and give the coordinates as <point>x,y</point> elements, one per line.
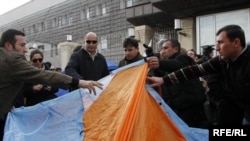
<point>87,63</point>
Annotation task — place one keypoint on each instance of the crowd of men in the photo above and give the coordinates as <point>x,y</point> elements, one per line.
<point>204,92</point>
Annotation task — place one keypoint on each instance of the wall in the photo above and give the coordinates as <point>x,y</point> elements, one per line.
<point>188,28</point>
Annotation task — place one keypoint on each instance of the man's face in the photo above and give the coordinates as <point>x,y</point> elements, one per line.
<point>20,45</point>
<point>131,52</point>
<point>91,43</point>
<point>167,50</point>
<point>225,47</point>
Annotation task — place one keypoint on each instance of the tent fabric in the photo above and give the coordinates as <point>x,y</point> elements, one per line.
<point>58,119</point>
<point>132,114</point>
<point>63,118</point>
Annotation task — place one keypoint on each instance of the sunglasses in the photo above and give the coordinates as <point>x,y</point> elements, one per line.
<point>35,60</point>
<point>91,41</point>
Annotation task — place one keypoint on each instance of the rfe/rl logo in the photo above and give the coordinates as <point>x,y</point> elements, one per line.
<point>228,132</point>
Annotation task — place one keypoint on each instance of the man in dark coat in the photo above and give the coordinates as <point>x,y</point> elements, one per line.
<point>186,98</point>
<point>87,63</point>
<point>233,63</point>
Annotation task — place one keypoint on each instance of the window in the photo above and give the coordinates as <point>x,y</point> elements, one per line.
<point>83,14</point>
<point>103,8</point>
<point>56,50</point>
<point>42,26</point>
<point>87,13</point>
<point>52,51</point>
<point>98,10</point>
<point>55,23</point>
<point>68,19</point>
<point>129,3</point>
<point>208,25</point>
<point>104,43</point>
<point>33,28</point>
<point>59,21</point>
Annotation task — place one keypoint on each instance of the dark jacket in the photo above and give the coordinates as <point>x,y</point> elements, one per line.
<point>15,69</point>
<point>125,61</point>
<point>188,93</point>
<point>81,66</point>
<point>187,97</point>
<point>34,97</point>
<point>236,78</point>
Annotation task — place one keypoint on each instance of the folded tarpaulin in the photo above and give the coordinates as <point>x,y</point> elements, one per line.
<point>129,112</point>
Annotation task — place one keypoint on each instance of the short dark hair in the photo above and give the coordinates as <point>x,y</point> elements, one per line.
<point>130,41</point>
<point>36,51</point>
<point>175,43</point>
<point>233,32</point>
<point>9,36</point>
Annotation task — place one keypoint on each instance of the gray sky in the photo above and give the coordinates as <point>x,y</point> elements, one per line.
<point>7,5</point>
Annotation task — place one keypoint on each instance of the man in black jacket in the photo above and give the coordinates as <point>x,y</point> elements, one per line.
<point>87,63</point>
<point>233,63</point>
<point>187,97</point>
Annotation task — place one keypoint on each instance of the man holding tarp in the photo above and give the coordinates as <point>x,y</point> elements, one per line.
<point>15,70</point>
<point>126,109</point>
<point>233,63</point>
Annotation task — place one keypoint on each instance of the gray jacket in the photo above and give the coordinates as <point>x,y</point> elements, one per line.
<point>15,69</point>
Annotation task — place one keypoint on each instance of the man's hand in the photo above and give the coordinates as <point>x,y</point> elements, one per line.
<point>90,85</point>
<point>155,81</point>
<point>37,87</point>
<point>153,62</point>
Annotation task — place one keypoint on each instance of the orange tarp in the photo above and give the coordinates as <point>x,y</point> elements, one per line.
<point>125,111</point>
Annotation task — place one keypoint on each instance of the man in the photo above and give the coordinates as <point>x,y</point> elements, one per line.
<point>186,98</point>
<point>233,63</point>
<point>87,63</point>
<point>15,70</point>
<point>131,49</point>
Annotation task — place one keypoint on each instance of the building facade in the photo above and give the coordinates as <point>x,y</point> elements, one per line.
<point>46,28</point>
<point>193,22</point>
<point>198,20</point>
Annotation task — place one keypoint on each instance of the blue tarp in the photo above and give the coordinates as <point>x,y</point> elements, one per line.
<point>111,65</point>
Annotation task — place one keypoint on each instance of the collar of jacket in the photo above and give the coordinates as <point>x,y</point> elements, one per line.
<point>84,51</point>
<point>174,55</point>
<point>138,57</point>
